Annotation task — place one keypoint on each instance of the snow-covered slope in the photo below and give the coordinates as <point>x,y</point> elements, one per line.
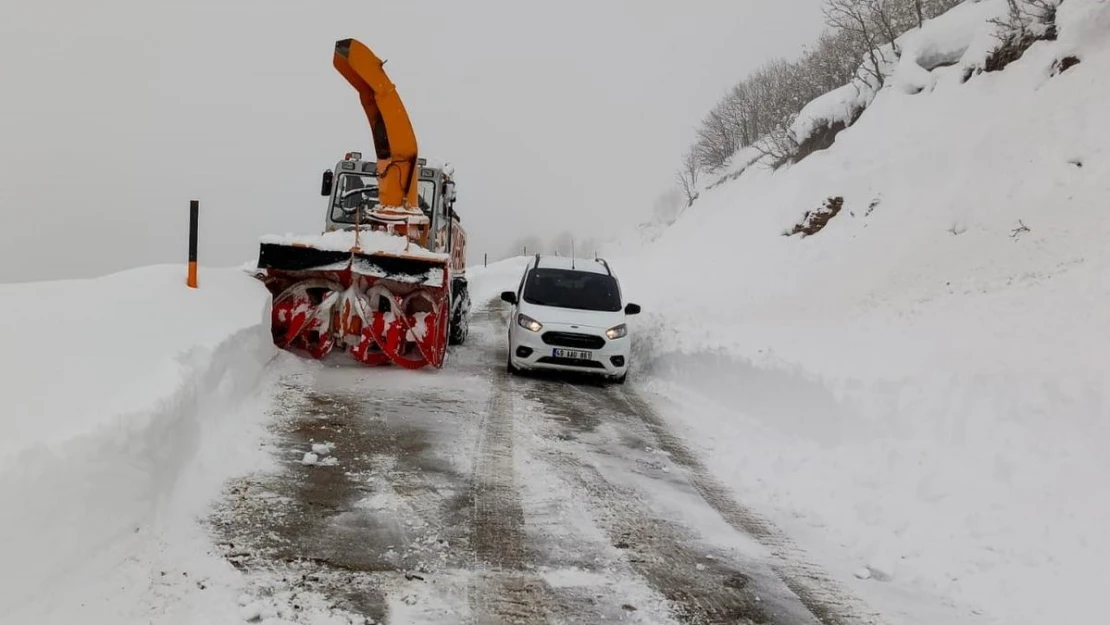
<point>120,420</point>
<point>487,283</point>
<point>921,385</point>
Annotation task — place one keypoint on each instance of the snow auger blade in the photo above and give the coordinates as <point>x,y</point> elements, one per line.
<point>381,307</point>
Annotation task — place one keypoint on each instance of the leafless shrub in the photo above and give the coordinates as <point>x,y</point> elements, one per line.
<point>1035,18</point>
<point>688,176</point>
<point>871,207</point>
<point>854,17</point>
<point>1021,228</point>
<point>1026,22</point>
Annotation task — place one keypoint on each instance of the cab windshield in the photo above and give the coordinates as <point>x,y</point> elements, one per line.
<point>567,288</point>
<point>361,190</point>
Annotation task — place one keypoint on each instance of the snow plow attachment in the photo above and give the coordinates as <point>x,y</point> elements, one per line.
<point>382,307</point>
<point>386,281</point>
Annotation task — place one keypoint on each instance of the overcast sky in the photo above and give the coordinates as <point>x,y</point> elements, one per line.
<point>565,115</point>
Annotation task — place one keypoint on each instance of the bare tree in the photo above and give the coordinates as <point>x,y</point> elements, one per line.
<point>919,11</point>
<point>833,61</point>
<point>688,176</point>
<point>718,139</point>
<point>1026,16</point>
<point>853,16</point>
<point>777,145</point>
<point>934,8</point>
<point>882,13</point>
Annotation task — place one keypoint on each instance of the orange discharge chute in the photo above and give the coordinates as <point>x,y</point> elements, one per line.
<point>394,138</point>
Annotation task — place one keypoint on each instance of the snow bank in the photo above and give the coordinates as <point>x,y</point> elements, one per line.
<point>487,283</point>
<point>112,386</point>
<point>921,385</point>
<point>368,240</point>
<point>837,107</point>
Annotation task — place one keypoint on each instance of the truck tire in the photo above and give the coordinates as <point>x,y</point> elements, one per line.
<point>460,314</point>
<point>460,328</point>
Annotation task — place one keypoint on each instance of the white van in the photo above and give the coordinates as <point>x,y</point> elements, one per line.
<point>568,315</point>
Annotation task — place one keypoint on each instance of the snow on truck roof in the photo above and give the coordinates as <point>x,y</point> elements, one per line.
<point>580,264</point>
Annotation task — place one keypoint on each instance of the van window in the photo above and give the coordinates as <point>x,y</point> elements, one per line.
<point>566,288</point>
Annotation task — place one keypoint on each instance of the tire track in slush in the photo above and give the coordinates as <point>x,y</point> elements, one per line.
<point>501,590</point>
<point>303,533</point>
<point>384,534</point>
<point>823,596</point>
<point>701,589</point>
<point>517,554</point>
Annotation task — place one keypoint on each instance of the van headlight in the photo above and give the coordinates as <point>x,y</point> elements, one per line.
<point>528,323</point>
<point>617,332</point>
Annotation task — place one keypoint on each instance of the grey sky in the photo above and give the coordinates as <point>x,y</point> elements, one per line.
<point>558,116</point>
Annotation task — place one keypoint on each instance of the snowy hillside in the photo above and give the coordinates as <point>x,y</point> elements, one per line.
<point>921,385</point>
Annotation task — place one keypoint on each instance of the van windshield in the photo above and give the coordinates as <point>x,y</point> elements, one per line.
<point>566,288</point>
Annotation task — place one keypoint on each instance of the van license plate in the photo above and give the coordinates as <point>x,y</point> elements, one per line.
<point>573,354</point>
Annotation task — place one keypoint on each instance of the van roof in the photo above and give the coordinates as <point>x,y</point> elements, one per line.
<point>591,265</point>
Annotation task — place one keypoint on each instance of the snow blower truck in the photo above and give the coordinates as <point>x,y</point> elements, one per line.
<point>386,280</point>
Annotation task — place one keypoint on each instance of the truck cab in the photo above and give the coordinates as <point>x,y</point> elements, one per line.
<point>352,192</point>
<point>353,187</point>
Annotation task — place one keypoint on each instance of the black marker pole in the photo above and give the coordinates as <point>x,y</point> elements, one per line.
<point>194,219</point>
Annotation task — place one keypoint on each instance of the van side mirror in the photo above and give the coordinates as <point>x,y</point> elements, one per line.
<point>632,309</point>
<point>508,296</point>
<point>325,183</point>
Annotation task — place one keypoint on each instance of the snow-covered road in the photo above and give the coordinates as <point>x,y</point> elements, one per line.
<point>468,495</point>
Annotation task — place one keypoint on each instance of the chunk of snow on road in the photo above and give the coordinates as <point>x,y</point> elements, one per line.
<point>322,449</point>
<point>319,456</point>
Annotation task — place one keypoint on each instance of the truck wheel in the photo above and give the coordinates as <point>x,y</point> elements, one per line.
<point>460,315</point>
<point>460,328</point>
